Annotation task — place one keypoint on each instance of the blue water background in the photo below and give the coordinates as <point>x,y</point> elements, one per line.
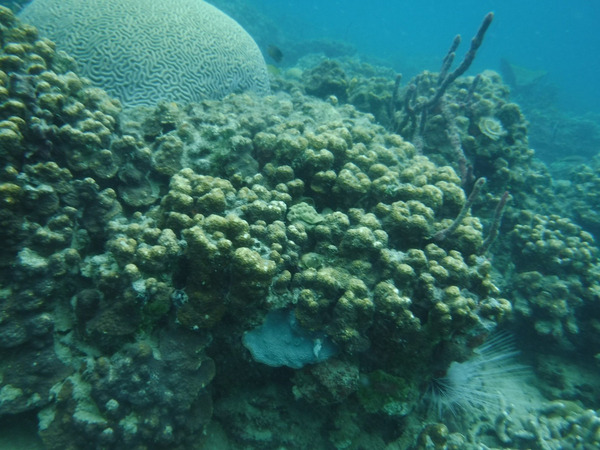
<point>558,36</point>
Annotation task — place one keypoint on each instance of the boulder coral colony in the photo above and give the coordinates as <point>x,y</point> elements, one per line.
<point>141,244</point>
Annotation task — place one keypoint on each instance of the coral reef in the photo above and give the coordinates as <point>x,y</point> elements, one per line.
<point>580,194</point>
<point>153,257</point>
<point>376,205</point>
<point>556,284</point>
<point>327,214</point>
<point>557,424</point>
<point>205,52</point>
<point>54,126</point>
<point>217,213</point>
<point>67,311</point>
<point>328,78</point>
<point>478,131</point>
<point>145,392</point>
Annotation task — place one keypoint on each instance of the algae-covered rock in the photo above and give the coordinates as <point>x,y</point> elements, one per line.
<point>119,399</point>
<point>328,78</point>
<point>382,393</point>
<point>327,383</point>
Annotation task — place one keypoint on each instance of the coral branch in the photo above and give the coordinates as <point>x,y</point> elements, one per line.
<point>415,112</point>
<point>443,234</point>
<point>491,237</point>
<point>466,62</point>
<point>452,132</point>
<point>449,58</point>
<point>472,89</point>
<point>394,99</point>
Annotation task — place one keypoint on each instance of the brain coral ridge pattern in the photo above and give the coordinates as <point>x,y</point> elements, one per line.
<point>144,50</point>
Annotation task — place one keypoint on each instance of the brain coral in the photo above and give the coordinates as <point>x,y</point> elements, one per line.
<point>142,51</point>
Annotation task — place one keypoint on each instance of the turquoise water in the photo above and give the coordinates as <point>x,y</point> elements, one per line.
<point>554,40</point>
<point>556,36</point>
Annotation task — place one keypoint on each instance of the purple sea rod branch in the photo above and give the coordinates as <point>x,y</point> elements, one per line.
<point>466,62</point>
<point>452,132</point>
<point>449,59</point>
<point>443,234</point>
<point>394,98</point>
<point>491,237</point>
<point>410,114</point>
<point>472,88</point>
<point>416,111</point>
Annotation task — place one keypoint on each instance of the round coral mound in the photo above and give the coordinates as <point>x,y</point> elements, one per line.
<point>142,51</point>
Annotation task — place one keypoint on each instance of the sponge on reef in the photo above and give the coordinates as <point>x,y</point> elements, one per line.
<point>142,51</point>
<point>281,341</point>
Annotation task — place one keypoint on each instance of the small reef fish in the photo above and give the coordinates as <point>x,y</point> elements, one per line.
<point>275,53</point>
